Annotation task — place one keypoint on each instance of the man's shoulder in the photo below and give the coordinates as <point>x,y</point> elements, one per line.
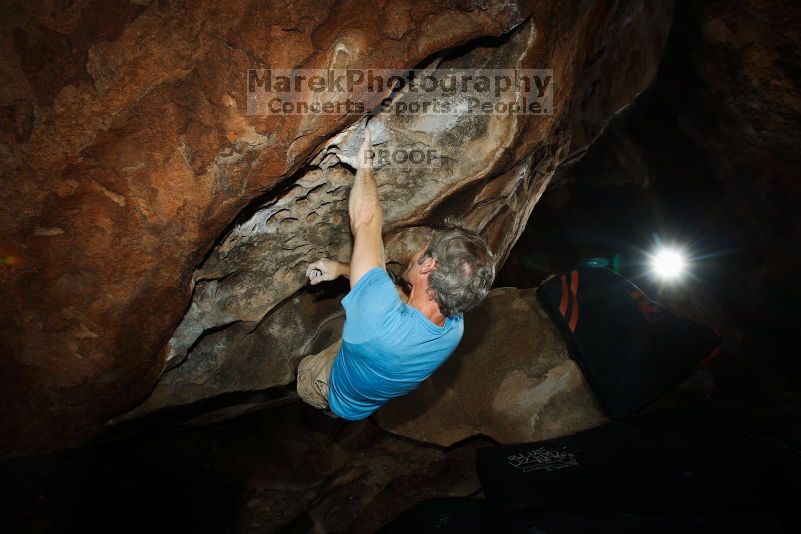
<point>371,307</point>
<point>376,281</point>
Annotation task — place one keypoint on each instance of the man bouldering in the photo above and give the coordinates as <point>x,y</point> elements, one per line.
<point>391,341</point>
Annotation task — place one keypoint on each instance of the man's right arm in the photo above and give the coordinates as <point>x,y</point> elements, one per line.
<point>326,270</point>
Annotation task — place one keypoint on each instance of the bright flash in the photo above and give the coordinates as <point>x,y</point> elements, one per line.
<point>669,263</point>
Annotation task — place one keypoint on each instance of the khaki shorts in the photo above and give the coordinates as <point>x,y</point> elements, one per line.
<point>313,376</point>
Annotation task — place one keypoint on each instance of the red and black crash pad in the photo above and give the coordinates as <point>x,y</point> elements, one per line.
<point>629,347</point>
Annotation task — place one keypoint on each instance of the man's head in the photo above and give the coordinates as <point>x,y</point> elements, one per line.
<point>458,268</point>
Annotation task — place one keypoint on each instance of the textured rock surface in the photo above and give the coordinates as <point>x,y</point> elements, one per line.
<point>489,172</point>
<point>127,150</point>
<point>127,153</point>
<point>510,379</point>
<point>262,260</point>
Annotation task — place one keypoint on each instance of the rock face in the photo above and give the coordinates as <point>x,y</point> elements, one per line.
<point>510,379</point>
<point>243,301</point>
<point>151,225</point>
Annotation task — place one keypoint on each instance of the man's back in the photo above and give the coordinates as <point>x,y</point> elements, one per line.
<point>388,347</point>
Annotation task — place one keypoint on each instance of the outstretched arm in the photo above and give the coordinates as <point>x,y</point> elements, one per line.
<point>366,217</point>
<point>326,270</point>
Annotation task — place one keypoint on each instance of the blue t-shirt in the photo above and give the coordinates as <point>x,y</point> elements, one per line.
<point>388,347</point>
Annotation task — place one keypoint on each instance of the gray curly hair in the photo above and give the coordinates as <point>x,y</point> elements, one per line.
<point>464,272</point>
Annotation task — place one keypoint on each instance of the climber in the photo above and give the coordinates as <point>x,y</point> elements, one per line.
<point>391,344</point>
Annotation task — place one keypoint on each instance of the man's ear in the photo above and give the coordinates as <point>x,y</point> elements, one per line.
<point>428,265</point>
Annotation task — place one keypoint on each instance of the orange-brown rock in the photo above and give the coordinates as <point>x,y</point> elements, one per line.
<point>127,154</point>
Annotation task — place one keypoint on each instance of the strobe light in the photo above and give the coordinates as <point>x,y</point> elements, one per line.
<point>668,263</point>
